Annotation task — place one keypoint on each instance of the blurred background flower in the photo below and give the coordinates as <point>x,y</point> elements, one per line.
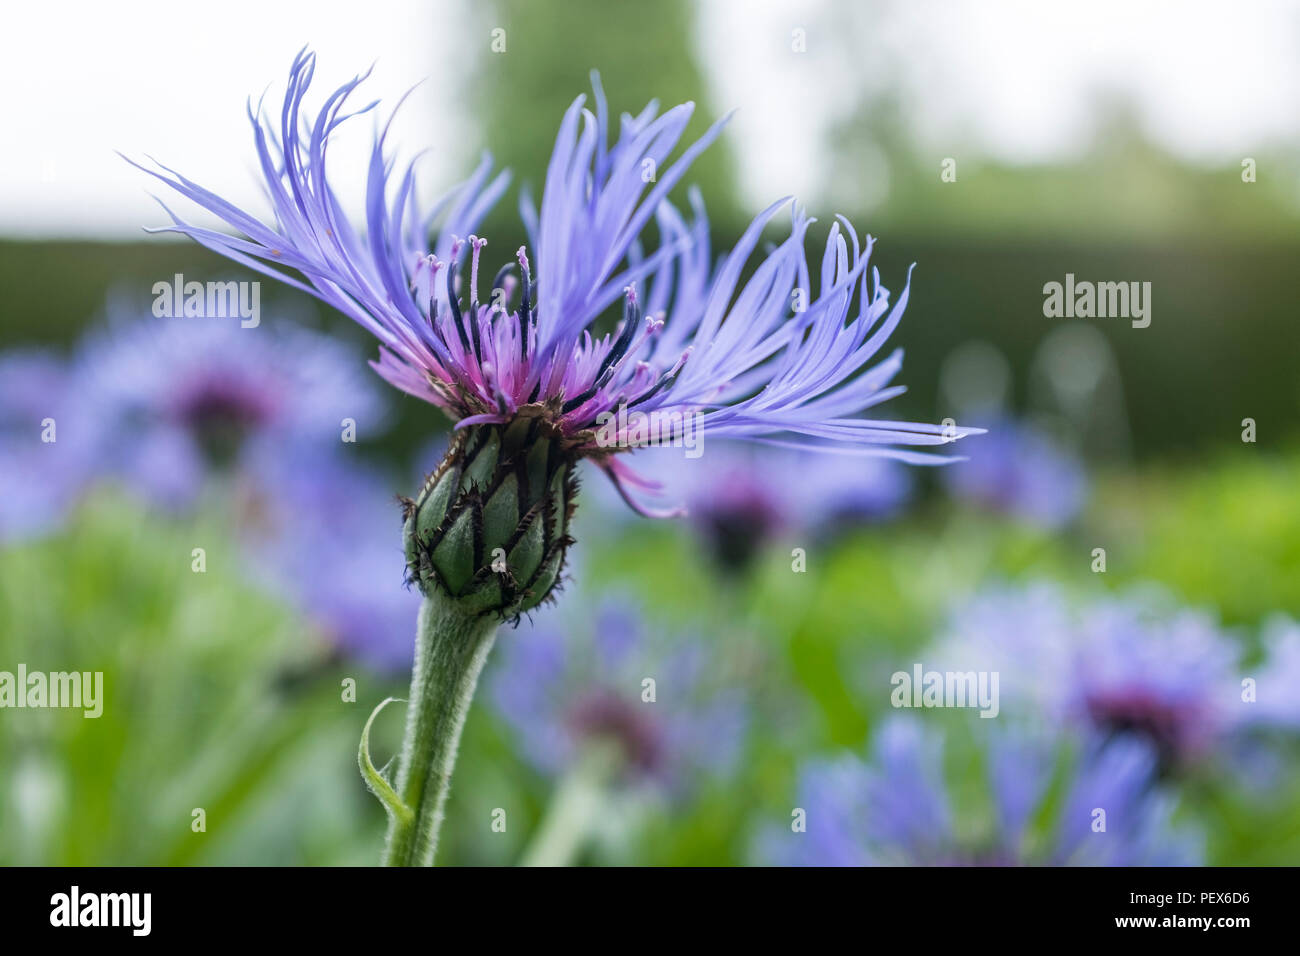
<point>327,535</point>
<point>581,678</point>
<point>255,425</point>
<point>616,710</point>
<point>171,403</point>
<point>1019,471</point>
<point>740,500</point>
<point>895,808</point>
<point>43,452</point>
<point>1133,665</point>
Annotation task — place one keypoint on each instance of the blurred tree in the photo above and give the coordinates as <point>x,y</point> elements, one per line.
<point>529,73</point>
<point>1123,186</point>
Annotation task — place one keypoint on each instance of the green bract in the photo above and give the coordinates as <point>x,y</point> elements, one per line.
<point>490,527</point>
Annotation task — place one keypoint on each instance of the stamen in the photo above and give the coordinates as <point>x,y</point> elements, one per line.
<point>582,399</point>
<point>476,246</point>
<point>603,374</point>
<point>664,380</point>
<point>457,320</point>
<point>525,305</point>
<point>613,359</point>
<point>631,319</point>
<point>474,317</point>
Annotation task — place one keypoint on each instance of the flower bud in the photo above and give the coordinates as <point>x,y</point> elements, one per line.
<point>490,527</point>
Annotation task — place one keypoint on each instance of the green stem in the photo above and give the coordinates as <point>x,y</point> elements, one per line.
<point>451,646</point>
<point>578,798</point>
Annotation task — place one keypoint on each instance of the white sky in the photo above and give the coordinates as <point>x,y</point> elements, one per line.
<point>1015,78</point>
<point>170,79</point>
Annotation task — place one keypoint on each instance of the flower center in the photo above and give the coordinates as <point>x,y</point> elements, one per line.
<point>602,714</point>
<point>220,412</point>
<point>1165,725</point>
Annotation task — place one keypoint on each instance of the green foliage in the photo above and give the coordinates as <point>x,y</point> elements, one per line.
<point>217,697</point>
<point>1227,536</point>
<point>202,709</point>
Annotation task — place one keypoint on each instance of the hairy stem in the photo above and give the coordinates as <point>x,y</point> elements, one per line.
<point>451,647</point>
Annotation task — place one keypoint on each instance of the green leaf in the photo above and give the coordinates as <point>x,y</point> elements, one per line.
<point>379,786</point>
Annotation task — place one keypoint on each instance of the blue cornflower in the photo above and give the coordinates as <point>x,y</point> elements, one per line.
<point>1019,470</point>
<point>344,572</point>
<point>895,807</point>
<point>741,497</point>
<point>1128,665</point>
<point>172,401</point>
<point>570,682</point>
<point>45,457</point>
<point>762,359</point>
<point>177,408</point>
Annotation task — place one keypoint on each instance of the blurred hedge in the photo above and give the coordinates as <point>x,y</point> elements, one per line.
<point>1220,347</point>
